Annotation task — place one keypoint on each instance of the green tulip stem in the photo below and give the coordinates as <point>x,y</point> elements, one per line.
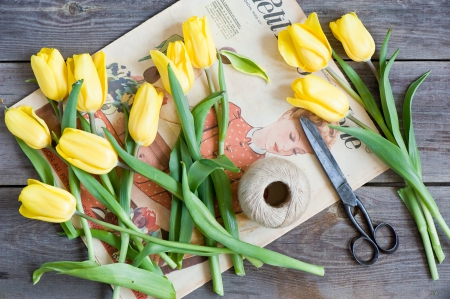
<point>55,109</point>
<point>61,110</point>
<point>358,122</point>
<point>92,122</point>
<point>106,182</point>
<point>181,246</point>
<point>373,69</point>
<point>345,86</point>
<point>212,89</point>
<point>74,185</point>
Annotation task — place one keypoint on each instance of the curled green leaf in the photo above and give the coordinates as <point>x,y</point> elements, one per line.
<point>244,64</point>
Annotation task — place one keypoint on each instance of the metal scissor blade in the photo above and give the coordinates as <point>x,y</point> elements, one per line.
<point>328,162</point>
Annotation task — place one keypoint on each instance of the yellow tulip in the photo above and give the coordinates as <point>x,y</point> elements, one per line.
<point>199,42</point>
<point>305,45</point>
<point>144,114</point>
<point>357,41</point>
<point>87,151</point>
<point>180,63</point>
<point>95,86</point>
<point>23,123</point>
<point>50,71</point>
<point>47,203</point>
<point>320,97</point>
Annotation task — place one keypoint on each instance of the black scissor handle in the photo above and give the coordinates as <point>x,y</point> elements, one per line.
<point>376,251</point>
<point>391,249</point>
<point>371,238</point>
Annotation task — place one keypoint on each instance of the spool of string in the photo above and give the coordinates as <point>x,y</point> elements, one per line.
<point>257,186</point>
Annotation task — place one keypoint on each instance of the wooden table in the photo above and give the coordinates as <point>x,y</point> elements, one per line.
<point>420,29</point>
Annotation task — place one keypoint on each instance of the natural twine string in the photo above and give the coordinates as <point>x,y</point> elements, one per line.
<point>263,173</point>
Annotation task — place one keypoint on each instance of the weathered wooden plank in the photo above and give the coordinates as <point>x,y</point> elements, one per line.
<point>431,116</point>
<point>419,29</point>
<point>323,239</point>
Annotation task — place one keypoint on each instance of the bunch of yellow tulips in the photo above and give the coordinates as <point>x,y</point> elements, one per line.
<point>78,86</point>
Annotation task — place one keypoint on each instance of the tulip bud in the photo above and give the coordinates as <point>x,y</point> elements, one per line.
<point>95,87</point>
<point>144,114</point>
<point>320,97</point>
<point>23,123</point>
<point>199,42</point>
<point>305,45</point>
<point>357,41</point>
<point>87,151</point>
<point>180,63</point>
<point>50,71</point>
<point>47,203</point>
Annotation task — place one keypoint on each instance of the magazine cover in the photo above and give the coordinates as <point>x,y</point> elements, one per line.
<point>249,28</point>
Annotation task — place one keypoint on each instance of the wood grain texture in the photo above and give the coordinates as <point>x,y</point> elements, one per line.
<point>87,26</point>
<point>323,239</point>
<point>419,28</point>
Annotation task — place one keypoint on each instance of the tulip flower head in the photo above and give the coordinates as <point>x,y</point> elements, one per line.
<point>305,45</point>
<point>320,97</point>
<point>144,114</point>
<point>93,71</point>
<point>199,42</point>
<point>47,203</point>
<point>50,71</point>
<point>357,41</point>
<point>87,151</point>
<point>23,123</point>
<point>180,63</point>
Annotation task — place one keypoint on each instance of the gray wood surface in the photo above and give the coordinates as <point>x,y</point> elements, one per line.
<point>421,29</point>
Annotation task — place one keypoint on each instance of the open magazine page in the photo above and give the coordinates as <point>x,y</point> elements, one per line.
<point>248,28</point>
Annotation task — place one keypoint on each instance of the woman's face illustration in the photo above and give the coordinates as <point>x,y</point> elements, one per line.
<point>285,137</point>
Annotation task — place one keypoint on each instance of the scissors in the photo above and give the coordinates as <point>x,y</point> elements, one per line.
<point>348,197</point>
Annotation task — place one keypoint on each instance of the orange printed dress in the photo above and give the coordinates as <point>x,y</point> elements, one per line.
<point>238,145</point>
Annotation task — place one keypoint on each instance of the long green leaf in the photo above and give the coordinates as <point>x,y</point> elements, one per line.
<point>396,159</point>
<point>69,118</point>
<point>84,123</point>
<point>201,111</point>
<point>184,114</point>
<point>222,187</point>
<point>368,100</point>
<point>121,274</point>
<point>388,104</point>
<point>244,64</point>
<point>41,164</point>
<point>383,52</point>
<point>202,168</point>
<point>208,223</point>
<point>176,206</point>
<point>225,109</point>
<point>408,124</point>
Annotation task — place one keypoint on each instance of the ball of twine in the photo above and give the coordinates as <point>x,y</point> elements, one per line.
<point>255,181</point>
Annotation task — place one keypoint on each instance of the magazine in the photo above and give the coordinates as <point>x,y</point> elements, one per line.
<point>250,28</point>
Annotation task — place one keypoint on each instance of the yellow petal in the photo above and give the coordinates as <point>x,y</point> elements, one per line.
<point>87,151</point>
<point>357,41</point>
<point>48,203</point>
<point>44,77</point>
<point>91,98</point>
<point>144,114</point>
<point>316,109</point>
<point>287,49</point>
<point>313,23</point>
<point>23,123</point>
<point>161,61</point>
<point>100,64</point>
